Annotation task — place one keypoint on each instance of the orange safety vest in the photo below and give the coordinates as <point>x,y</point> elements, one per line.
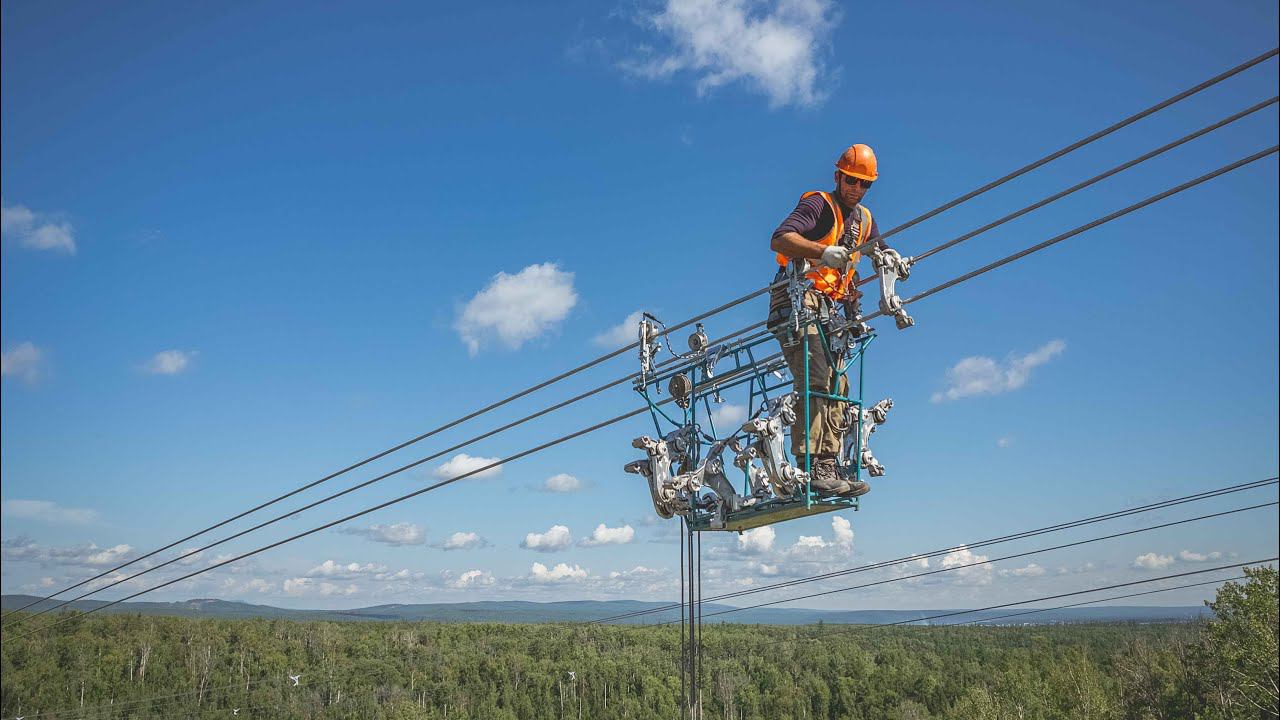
<point>830,281</point>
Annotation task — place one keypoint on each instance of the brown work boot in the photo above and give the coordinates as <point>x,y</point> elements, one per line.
<point>826,481</point>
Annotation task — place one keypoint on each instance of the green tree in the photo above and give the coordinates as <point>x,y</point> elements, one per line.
<point>1239,650</point>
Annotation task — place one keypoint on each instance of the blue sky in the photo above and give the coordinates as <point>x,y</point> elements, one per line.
<point>246,245</point>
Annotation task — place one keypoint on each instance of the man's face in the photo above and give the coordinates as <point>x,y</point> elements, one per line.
<point>851,189</point>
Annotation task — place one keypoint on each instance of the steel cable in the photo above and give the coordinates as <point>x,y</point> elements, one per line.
<point>1056,239</point>
<point>592,363</point>
<point>1014,556</point>
<point>1022,535</point>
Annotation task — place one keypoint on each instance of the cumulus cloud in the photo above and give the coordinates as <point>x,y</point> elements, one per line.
<point>169,362</point>
<point>514,309</point>
<point>556,539</point>
<point>22,361</point>
<point>604,535</point>
<point>35,230</point>
<point>395,534</point>
<point>46,511</point>
<point>843,531</point>
<point>1194,557</point>
<point>970,567</point>
<point>979,375</point>
<point>1152,561</point>
<point>464,541</point>
<point>471,579</point>
<point>462,463</point>
<point>757,540</point>
<point>333,570</point>
<point>728,416</point>
<point>561,483</point>
<point>90,555</point>
<point>771,46</point>
<point>1005,441</point>
<point>622,334</point>
<point>1030,570</point>
<point>561,573</point>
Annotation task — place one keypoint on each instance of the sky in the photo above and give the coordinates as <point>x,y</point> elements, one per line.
<point>247,244</point>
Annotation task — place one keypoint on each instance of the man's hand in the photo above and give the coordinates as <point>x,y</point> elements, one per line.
<point>835,256</point>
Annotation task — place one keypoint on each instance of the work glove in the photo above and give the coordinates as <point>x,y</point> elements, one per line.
<point>835,256</point>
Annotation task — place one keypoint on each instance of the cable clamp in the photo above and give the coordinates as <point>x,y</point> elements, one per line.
<point>892,267</point>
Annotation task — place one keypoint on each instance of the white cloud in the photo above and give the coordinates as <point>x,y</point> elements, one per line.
<point>561,573</point>
<point>622,334</point>
<point>728,416</point>
<point>756,541</point>
<point>297,586</point>
<point>46,511</point>
<point>561,483</point>
<point>971,568</point>
<point>604,535</point>
<point>396,534</point>
<point>1194,557</point>
<point>169,362</point>
<point>470,579</point>
<point>556,539</point>
<point>22,360</point>
<point>1152,561</point>
<point>1031,570</point>
<point>462,463</point>
<point>843,531</point>
<point>23,549</point>
<point>979,375</point>
<point>637,571</point>
<point>35,231</point>
<point>766,569</point>
<point>329,568</point>
<point>772,46</point>
<point>464,541</point>
<point>513,309</point>
<point>809,542</point>
<point>1005,441</point>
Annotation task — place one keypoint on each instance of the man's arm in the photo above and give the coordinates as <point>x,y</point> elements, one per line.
<point>793,245</point>
<point>789,239</point>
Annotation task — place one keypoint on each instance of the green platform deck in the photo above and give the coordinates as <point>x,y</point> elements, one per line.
<point>772,512</point>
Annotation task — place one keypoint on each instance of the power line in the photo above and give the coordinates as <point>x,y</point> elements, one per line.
<point>607,356</point>
<point>1101,176</point>
<point>1078,592</point>
<point>989,561</point>
<point>1115,515</point>
<point>1087,226</point>
<point>1187,185</point>
<point>1091,138</point>
<point>197,551</point>
<point>564,438</point>
<point>1100,600</point>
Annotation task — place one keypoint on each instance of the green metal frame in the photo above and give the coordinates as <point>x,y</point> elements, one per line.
<point>747,370</point>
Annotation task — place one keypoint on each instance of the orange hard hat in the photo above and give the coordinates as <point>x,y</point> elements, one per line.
<point>858,161</point>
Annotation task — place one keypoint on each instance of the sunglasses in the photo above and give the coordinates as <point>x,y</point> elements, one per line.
<point>857,181</point>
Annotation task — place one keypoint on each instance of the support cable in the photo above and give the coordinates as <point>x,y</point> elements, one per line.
<point>292,513</point>
<point>999,263</point>
<point>1075,593</point>
<point>1101,600</point>
<point>608,356</point>
<point>1013,556</point>
<point>1160,505</point>
<point>435,486</point>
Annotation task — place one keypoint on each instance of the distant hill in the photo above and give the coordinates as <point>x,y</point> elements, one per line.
<point>584,610</point>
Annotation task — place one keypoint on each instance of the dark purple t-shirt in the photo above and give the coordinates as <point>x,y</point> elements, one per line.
<point>813,218</point>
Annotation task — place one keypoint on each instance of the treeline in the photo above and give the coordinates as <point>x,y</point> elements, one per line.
<point>125,666</point>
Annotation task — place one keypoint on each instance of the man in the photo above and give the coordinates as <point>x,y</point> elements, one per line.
<point>824,229</point>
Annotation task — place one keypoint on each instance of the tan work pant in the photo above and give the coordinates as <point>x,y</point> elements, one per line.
<point>827,422</point>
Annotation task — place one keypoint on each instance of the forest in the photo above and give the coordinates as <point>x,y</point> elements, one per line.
<point>134,666</point>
